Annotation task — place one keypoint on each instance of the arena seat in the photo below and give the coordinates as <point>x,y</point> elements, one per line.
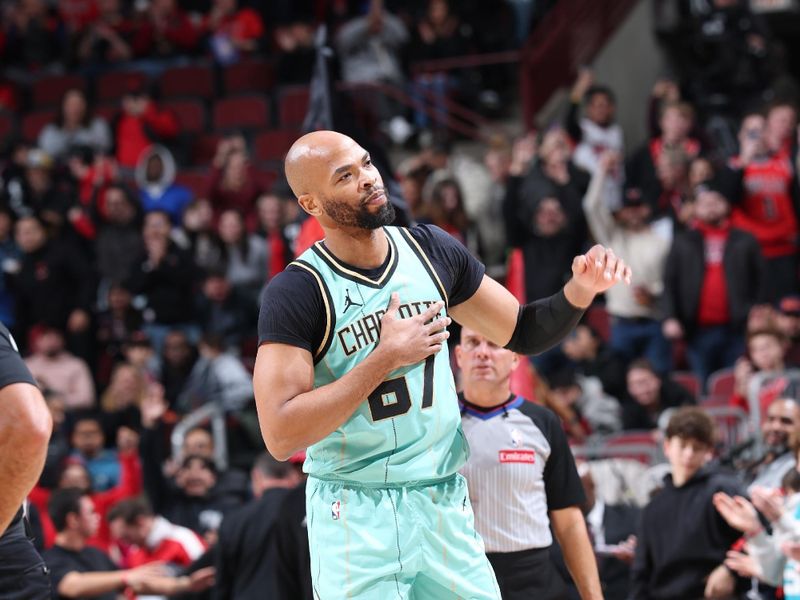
<point>114,85</point>
<point>292,105</point>
<point>241,112</point>
<point>272,145</point>
<point>248,76</point>
<point>50,90</point>
<point>197,181</point>
<point>721,382</point>
<point>687,380</point>
<point>189,82</point>
<point>191,114</point>
<point>33,123</point>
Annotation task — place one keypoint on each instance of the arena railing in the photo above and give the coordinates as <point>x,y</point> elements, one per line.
<point>211,412</point>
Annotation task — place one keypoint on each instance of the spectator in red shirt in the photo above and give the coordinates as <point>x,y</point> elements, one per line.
<point>141,124</point>
<point>272,226</point>
<point>232,30</point>
<point>75,475</point>
<point>657,170</point>
<point>713,278</point>
<point>151,537</point>
<point>769,195</point>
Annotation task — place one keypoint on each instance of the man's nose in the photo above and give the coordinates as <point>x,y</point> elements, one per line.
<point>367,181</point>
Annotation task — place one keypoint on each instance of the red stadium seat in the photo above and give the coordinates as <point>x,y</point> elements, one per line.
<point>292,106</point>
<point>687,380</point>
<point>191,114</point>
<point>7,122</point>
<point>107,110</point>
<point>203,148</point>
<point>715,400</point>
<point>273,145</point>
<point>721,382</point>
<point>637,445</point>
<point>248,76</point>
<point>197,181</point>
<point>250,112</point>
<point>266,178</point>
<point>33,123</point>
<point>114,85</point>
<point>194,82</point>
<point>50,90</point>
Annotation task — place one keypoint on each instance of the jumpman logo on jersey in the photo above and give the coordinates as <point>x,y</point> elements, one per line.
<point>348,302</point>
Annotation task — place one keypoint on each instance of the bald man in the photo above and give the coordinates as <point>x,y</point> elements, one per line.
<point>353,364</point>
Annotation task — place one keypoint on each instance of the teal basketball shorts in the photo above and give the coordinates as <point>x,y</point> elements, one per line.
<point>404,543</point>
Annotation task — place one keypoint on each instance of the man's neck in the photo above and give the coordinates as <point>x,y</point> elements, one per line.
<point>366,249</point>
<point>487,396</point>
<point>70,540</point>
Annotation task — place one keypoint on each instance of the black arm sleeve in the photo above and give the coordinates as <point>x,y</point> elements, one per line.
<point>12,367</point>
<point>544,323</point>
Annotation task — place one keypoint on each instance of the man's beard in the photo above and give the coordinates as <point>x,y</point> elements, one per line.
<point>348,216</point>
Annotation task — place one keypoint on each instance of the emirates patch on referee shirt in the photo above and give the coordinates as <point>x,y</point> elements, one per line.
<point>517,456</point>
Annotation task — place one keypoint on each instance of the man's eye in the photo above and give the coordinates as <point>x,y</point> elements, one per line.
<point>345,176</point>
<point>368,162</point>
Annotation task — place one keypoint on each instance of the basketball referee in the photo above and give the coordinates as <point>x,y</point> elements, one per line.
<point>520,471</point>
<point>25,428</point>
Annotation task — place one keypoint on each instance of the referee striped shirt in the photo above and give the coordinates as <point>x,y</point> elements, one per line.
<point>520,466</point>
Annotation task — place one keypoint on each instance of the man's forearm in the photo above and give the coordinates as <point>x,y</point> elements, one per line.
<point>80,585</point>
<point>570,530</point>
<point>309,417</point>
<point>25,428</point>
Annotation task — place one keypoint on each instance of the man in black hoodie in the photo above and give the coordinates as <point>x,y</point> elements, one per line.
<point>713,278</point>
<point>682,540</point>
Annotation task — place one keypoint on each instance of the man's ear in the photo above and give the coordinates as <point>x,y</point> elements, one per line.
<point>309,203</point>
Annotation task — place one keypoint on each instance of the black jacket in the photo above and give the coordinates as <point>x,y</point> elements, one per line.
<point>619,522</point>
<point>685,270</point>
<point>548,260</point>
<point>168,287</point>
<point>682,538</point>
<point>670,395</point>
<point>293,566</point>
<point>52,282</point>
<point>245,557</point>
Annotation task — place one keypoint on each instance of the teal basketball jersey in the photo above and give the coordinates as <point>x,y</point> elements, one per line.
<point>409,429</point>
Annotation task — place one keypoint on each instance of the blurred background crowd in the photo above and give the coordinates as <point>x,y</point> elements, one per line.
<point>143,210</point>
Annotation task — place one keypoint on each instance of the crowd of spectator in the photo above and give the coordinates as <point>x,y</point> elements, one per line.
<point>134,298</point>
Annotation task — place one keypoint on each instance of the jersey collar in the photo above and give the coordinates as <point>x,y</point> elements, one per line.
<point>486,413</point>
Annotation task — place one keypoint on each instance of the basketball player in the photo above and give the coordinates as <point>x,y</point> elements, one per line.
<point>353,364</point>
<point>25,427</point>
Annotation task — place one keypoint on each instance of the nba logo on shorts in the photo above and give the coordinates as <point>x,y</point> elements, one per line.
<point>335,506</point>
